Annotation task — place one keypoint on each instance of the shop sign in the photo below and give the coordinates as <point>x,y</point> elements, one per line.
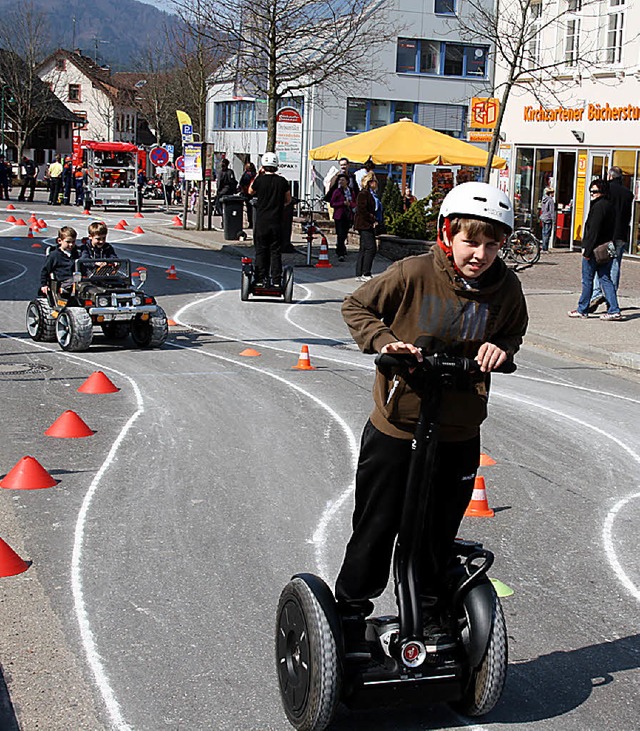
<point>289,142</point>
<point>479,136</point>
<point>484,112</point>
<point>590,113</point>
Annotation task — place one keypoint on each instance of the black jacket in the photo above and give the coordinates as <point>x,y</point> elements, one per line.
<point>87,251</point>
<point>60,265</point>
<point>622,202</point>
<point>599,226</point>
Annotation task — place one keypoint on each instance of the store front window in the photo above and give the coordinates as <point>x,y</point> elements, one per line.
<point>522,186</point>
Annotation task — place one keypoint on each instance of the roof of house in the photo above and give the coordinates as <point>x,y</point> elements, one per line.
<point>99,76</point>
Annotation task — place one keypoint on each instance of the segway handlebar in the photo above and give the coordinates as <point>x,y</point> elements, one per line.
<point>437,363</point>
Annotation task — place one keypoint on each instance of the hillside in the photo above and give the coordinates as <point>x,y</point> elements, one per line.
<point>114,31</point>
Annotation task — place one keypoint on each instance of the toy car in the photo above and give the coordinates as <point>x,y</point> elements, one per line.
<point>104,294</point>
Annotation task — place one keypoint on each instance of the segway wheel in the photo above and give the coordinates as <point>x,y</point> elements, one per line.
<point>245,287</point>
<point>486,681</point>
<point>307,658</point>
<point>287,285</point>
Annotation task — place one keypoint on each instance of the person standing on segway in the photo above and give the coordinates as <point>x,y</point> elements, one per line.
<point>462,300</point>
<point>272,193</point>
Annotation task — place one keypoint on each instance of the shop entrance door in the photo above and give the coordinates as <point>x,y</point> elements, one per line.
<point>597,167</point>
<point>565,166</point>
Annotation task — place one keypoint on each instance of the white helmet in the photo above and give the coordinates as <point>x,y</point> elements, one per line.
<point>477,200</point>
<point>270,160</point>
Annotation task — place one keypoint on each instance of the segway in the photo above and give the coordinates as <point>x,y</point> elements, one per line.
<point>315,673</point>
<point>249,286</point>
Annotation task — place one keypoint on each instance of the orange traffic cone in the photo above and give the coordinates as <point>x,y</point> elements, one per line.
<point>30,234</point>
<point>10,563</point>
<point>304,363</point>
<point>42,223</point>
<point>28,474</point>
<point>33,219</point>
<point>138,215</point>
<point>323,259</point>
<point>86,212</point>
<point>249,353</point>
<point>11,207</point>
<point>176,221</point>
<point>98,383</point>
<point>171,323</point>
<point>138,230</point>
<point>119,227</point>
<point>122,222</point>
<point>21,222</point>
<point>486,461</point>
<point>11,219</point>
<point>69,426</point>
<point>479,506</point>
<point>171,272</point>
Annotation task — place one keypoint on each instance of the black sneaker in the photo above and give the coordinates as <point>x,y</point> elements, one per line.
<point>276,282</point>
<point>356,647</point>
<point>436,638</point>
<point>595,303</point>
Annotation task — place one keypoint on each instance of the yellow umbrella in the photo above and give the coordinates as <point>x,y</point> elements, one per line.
<point>405,142</point>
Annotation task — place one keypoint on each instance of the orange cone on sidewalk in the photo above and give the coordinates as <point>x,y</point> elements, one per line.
<point>171,272</point>
<point>304,362</point>
<point>69,426</point>
<point>323,259</point>
<point>10,563</point>
<point>28,474</point>
<point>98,383</point>
<point>479,506</point>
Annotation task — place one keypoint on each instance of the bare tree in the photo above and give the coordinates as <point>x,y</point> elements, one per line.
<point>273,48</point>
<point>515,28</point>
<point>26,100</point>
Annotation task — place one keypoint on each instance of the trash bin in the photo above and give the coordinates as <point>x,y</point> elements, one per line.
<point>232,210</point>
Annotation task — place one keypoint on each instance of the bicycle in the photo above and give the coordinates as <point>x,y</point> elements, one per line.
<point>522,247</point>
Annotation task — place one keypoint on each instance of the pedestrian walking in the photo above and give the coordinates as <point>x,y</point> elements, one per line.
<point>597,230</point>
<point>365,222</point>
<point>246,179</point>
<point>67,181</point>
<point>622,202</point>
<point>343,204</point>
<point>547,217</point>
<point>273,194</point>
<point>5,178</point>
<point>55,181</point>
<point>29,173</point>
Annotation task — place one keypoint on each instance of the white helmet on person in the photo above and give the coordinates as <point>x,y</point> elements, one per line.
<point>270,160</point>
<point>477,200</point>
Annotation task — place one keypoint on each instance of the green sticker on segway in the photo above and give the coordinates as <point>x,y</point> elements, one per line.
<point>502,590</point>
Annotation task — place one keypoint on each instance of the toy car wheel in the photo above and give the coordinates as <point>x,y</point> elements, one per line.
<point>115,330</point>
<point>287,284</point>
<point>41,326</point>
<point>74,329</point>
<point>308,664</point>
<point>486,681</point>
<point>245,286</point>
<point>150,333</point>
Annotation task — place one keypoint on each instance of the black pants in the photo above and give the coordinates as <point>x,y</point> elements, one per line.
<point>55,186</point>
<point>367,252</point>
<point>380,486</point>
<point>342,231</point>
<point>28,183</point>
<point>268,252</point>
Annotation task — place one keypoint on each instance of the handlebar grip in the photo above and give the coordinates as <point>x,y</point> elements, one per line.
<point>386,362</point>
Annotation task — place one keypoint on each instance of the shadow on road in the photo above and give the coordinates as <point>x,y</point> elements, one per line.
<point>8,720</point>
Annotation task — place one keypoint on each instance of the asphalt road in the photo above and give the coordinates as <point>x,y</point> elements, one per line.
<point>213,476</point>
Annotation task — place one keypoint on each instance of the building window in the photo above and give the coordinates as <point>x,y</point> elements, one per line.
<point>84,116</point>
<point>450,119</point>
<point>441,58</point>
<point>366,114</point>
<point>572,42</point>
<point>444,7</point>
<point>249,114</point>
<point>74,93</point>
<point>615,26</point>
<point>532,49</point>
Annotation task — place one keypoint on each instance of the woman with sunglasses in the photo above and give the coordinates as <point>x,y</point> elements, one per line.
<point>598,229</point>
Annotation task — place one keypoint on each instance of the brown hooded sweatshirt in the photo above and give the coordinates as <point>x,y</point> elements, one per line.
<point>421,296</point>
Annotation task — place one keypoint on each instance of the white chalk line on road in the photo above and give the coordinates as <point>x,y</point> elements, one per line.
<point>607,530</point>
<point>86,634</point>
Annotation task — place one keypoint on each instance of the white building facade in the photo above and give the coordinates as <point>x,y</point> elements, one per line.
<point>429,76</point>
<point>589,123</point>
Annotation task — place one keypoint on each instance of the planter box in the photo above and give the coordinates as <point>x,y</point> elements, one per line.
<point>394,248</point>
